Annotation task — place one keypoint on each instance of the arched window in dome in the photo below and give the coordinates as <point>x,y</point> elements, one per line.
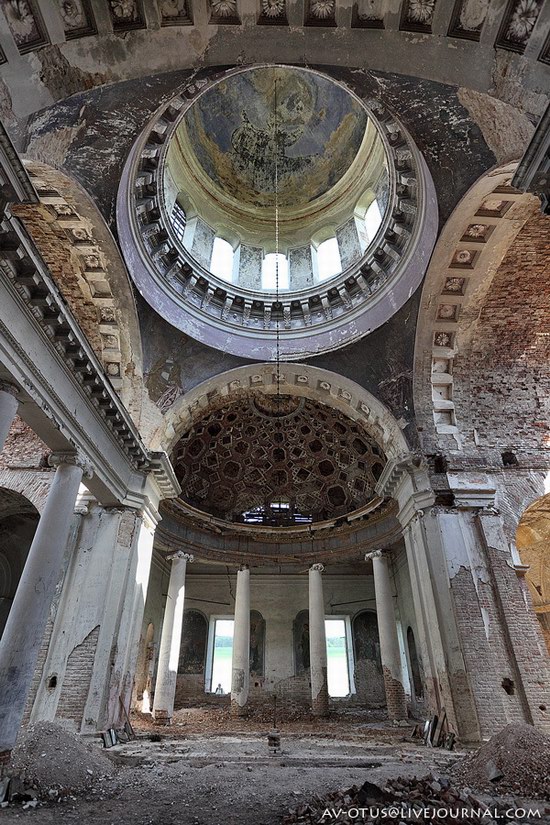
<point>329,263</point>
<point>373,219</point>
<point>221,262</point>
<point>269,280</point>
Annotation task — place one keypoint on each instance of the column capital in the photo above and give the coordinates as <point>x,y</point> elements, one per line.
<point>11,389</point>
<point>181,554</point>
<point>375,554</point>
<point>75,459</point>
<point>320,568</point>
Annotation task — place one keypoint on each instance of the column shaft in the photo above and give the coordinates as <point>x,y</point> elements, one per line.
<point>170,641</point>
<point>29,613</point>
<point>8,410</point>
<point>240,682</point>
<point>389,641</point>
<point>317,643</point>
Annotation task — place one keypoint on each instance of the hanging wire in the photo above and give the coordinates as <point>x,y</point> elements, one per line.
<point>277,329</point>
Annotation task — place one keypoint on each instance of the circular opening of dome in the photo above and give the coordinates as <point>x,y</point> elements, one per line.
<point>271,176</point>
<point>276,145</point>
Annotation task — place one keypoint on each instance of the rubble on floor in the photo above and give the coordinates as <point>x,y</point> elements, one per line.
<point>516,760</point>
<point>402,801</point>
<point>51,763</point>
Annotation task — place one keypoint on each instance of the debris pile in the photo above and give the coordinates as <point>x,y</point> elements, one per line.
<point>51,763</point>
<point>431,798</point>
<point>514,761</point>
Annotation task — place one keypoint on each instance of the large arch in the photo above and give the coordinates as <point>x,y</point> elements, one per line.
<point>533,545</point>
<point>302,380</point>
<point>18,521</point>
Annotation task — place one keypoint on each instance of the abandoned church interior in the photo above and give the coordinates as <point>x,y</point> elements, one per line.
<point>274,366</point>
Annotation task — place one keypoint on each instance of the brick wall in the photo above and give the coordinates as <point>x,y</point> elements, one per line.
<point>23,449</point>
<point>52,244</point>
<point>502,380</point>
<point>76,680</point>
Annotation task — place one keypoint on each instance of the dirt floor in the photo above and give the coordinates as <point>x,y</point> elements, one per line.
<point>210,770</point>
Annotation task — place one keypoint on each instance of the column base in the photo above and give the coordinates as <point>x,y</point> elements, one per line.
<point>238,710</point>
<point>396,701</point>
<point>161,717</point>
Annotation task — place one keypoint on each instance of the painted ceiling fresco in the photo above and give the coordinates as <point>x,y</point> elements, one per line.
<point>257,123</point>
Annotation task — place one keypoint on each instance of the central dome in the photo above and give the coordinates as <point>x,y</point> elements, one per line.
<point>273,119</point>
<point>196,212</point>
<point>276,136</point>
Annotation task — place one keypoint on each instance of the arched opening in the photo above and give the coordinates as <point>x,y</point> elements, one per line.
<point>18,522</point>
<point>414,664</point>
<point>369,679</point>
<point>329,262</point>
<point>144,670</point>
<point>533,545</point>
<point>271,263</point>
<point>221,262</point>
<point>257,646</point>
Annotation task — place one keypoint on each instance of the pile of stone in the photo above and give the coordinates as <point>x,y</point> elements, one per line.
<point>51,763</point>
<point>514,761</point>
<point>402,801</point>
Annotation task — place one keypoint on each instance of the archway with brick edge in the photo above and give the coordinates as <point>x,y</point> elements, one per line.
<point>18,522</point>
<point>83,258</point>
<point>533,546</point>
<point>481,400</point>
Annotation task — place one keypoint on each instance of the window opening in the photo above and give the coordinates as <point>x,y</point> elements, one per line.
<point>222,656</point>
<point>338,665</point>
<point>328,259</point>
<point>221,263</point>
<point>268,271</point>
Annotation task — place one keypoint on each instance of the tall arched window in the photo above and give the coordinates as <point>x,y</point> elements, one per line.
<point>269,280</point>
<point>373,219</point>
<point>328,259</point>
<point>221,263</point>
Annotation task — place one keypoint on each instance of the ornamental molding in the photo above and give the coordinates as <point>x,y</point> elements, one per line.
<point>314,319</point>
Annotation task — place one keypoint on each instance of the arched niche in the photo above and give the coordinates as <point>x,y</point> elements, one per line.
<point>369,679</point>
<point>415,664</point>
<point>257,645</point>
<point>300,636</point>
<point>18,522</point>
<point>194,636</point>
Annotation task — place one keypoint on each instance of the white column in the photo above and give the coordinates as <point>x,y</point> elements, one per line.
<point>240,681</point>
<point>317,642</point>
<point>8,409</point>
<point>387,631</point>
<point>29,613</point>
<point>170,640</point>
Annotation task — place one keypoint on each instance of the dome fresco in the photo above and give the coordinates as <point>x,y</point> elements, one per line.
<point>244,126</point>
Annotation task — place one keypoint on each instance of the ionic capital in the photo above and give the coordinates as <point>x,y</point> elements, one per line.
<point>320,568</point>
<point>74,459</point>
<point>374,554</point>
<point>180,554</point>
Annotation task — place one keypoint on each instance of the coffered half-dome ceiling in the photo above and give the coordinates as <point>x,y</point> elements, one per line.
<point>277,461</point>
